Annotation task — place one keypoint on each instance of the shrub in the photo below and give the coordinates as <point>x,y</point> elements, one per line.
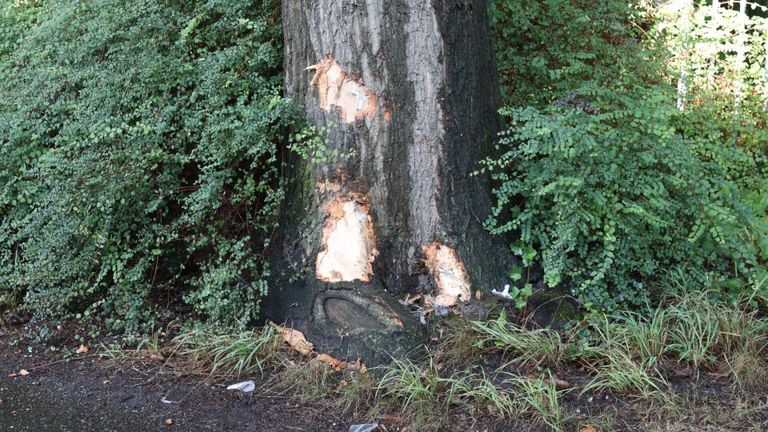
<point>141,145</point>
<point>611,198</point>
<point>605,182</point>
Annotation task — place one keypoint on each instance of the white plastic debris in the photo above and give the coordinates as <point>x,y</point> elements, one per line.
<point>245,386</point>
<point>368,427</point>
<point>504,294</point>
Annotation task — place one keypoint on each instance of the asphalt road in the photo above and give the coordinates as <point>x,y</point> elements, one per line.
<point>28,407</point>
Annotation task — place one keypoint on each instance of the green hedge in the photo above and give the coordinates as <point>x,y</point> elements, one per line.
<point>141,143</point>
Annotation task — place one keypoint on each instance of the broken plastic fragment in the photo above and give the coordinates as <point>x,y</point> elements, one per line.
<point>449,273</point>
<point>337,88</point>
<point>244,387</point>
<point>505,294</point>
<point>348,242</point>
<point>369,427</point>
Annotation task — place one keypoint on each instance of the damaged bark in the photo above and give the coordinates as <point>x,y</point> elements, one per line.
<point>409,89</point>
<point>349,245</point>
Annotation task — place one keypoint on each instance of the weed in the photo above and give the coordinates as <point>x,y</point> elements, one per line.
<point>114,353</point>
<point>460,344</point>
<point>543,398</point>
<point>151,344</point>
<point>704,332</point>
<point>748,371</point>
<point>645,338</point>
<point>621,374</point>
<point>541,346</point>
<point>356,394</point>
<point>306,382</point>
<point>229,355</point>
<point>483,392</point>
<point>418,391</point>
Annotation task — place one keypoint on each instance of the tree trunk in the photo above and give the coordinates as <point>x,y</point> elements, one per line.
<point>409,94</point>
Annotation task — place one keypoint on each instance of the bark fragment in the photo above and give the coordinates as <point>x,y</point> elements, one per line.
<point>336,88</point>
<point>450,275</point>
<point>349,245</point>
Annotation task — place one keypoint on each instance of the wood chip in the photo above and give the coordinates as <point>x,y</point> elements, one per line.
<point>335,363</point>
<point>357,365</point>
<point>295,339</point>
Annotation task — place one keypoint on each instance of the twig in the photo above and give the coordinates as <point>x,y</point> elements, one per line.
<point>62,361</point>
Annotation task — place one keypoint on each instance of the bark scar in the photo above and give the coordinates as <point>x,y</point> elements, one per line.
<point>349,243</point>
<point>449,273</point>
<point>337,88</point>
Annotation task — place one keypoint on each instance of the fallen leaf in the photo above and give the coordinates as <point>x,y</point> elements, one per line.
<point>295,339</point>
<point>82,350</point>
<point>335,363</point>
<point>169,422</point>
<point>588,428</point>
<point>12,375</point>
<point>23,372</point>
<point>105,382</point>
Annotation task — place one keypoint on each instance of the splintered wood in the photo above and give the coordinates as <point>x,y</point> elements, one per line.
<point>336,88</point>
<point>295,339</point>
<point>449,273</point>
<point>349,245</point>
<point>300,344</point>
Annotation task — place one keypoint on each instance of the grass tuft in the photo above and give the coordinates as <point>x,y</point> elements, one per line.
<point>229,355</point>
<point>539,347</point>
<point>543,398</point>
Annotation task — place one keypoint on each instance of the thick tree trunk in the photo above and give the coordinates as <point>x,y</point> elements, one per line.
<point>408,91</point>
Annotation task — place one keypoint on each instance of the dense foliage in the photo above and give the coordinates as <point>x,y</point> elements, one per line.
<point>607,184</point>
<point>140,145</point>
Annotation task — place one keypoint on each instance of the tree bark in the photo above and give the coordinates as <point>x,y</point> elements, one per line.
<point>408,91</point>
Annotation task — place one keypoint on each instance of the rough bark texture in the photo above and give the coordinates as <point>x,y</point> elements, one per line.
<point>409,87</point>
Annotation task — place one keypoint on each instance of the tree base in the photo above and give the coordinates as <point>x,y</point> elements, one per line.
<point>350,321</point>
